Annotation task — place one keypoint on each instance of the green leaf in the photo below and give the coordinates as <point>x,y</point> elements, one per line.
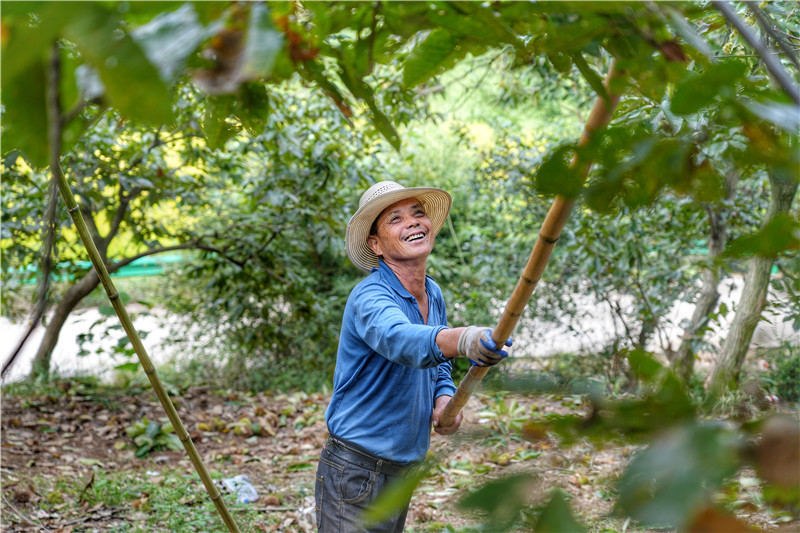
<point>170,38</point>
<point>785,116</point>
<point>133,85</point>
<point>153,429</point>
<point>396,495</point>
<point>699,90</point>
<point>313,71</point>
<point>556,517</point>
<point>438,52</point>
<point>781,234</point>
<point>644,365</point>
<point>560,61</point>
<point>363,91</point>
<point>300,467</point>
<point>595,82</point>
<point>502,499</point>
<point>106,310</point>
<point>263,43</point>
<point>30,44</point>
<point>480,24</point>
<point>669,481</point>
<point>217,128</point>
<point>253,107</point>
<point>25,116</point>
<point>143,440</point>
<point>171,441</point>
<point>142,451</point>
<point>128,367</point>
<point>557,176</point>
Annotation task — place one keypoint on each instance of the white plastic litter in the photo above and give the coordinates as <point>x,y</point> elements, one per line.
<point>241,486</point>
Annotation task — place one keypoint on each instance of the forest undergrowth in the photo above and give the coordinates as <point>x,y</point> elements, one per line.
<point>79,456</point>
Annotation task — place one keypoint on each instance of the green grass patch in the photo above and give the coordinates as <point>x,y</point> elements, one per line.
<point>172,500</point>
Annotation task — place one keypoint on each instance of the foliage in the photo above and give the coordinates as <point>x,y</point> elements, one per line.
<point>681,94</point>
<point>139,493</point>
<point>173,500</point>
<point>153,436</point>
<point>782,376</point>
<point>687,459</point>
<point>276,240</point>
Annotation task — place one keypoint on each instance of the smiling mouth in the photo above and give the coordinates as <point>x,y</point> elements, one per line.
<point>415,237</point>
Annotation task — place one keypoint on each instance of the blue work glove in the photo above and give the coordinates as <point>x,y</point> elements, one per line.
<point>477,345</point>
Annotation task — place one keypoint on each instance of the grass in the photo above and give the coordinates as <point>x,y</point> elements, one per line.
<point>166,501</point>
<point>153,496</point>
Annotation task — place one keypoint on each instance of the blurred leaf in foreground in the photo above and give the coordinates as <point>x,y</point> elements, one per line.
<point>556,517</point>
<point>674,477</point>
<point>502,500</point>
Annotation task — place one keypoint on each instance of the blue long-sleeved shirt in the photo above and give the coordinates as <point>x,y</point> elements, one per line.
<point>389,369</point>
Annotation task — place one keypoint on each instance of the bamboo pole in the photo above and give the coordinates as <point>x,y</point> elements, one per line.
<point>542,248</point>
<point>55,125</point>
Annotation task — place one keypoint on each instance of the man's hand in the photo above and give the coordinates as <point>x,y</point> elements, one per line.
<point>438,409</point>
<point>477,345</point>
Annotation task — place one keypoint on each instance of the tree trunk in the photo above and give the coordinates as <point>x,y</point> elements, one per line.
<point>783,187</point>
<point>683,359</point>
<point>76,293</point>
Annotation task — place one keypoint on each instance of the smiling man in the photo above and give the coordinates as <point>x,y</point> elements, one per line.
<point>392,377</point>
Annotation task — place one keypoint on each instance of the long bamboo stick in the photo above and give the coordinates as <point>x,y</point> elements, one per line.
<point>542,248</point>
<point>55,125</point>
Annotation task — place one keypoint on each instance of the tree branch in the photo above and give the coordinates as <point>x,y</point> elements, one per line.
<point>774,66</point>
<point>88,217</point>
<point>54,134</point>
<point>42,302</point>
<point>119,215</point>
<point>767,25</point>
<point>152,251</point>
<point>194,244</point>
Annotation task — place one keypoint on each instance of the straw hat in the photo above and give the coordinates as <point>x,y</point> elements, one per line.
<point>436,203</point>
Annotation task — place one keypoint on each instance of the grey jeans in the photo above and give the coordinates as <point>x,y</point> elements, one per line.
<point>345,490</point>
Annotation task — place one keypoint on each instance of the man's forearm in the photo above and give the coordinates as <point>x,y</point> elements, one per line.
<point>447,340</point>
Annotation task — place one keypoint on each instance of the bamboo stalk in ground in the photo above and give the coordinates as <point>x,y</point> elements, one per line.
<point>55,125</point>
<point>542,248</point>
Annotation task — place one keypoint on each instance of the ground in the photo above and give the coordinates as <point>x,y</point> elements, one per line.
<point>61,451</point>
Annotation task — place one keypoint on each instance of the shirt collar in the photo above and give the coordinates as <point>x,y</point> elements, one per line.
<point>390,278</point>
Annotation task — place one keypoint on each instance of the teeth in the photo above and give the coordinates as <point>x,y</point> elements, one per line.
<point>415,237</point>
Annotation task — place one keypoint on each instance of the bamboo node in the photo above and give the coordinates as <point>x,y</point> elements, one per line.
<point>73,209</point>
<point>187,439</point>
<point>114,296</point>
<point>150,370</point>
<point>549,240</point>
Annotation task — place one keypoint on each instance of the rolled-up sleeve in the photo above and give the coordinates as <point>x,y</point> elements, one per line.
<point>381,323</point>
<point>444,381</point>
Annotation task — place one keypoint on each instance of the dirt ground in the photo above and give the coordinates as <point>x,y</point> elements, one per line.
<point>75,436</point>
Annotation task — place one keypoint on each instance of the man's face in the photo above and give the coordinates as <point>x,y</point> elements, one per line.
<point>404,232</point>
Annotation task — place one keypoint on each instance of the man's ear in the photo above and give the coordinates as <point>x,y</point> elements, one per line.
<point>375,245</point>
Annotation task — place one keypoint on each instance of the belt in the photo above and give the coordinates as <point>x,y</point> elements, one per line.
<point>351,455</point>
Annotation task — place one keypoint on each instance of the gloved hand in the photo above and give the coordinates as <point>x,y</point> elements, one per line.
<point>476,344</point>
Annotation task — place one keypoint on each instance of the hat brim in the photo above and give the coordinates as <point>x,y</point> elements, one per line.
<point>436,203</point>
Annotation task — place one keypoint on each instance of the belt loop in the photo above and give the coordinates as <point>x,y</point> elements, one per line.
<point>378,469</point>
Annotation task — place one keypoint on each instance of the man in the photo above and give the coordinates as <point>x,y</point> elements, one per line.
<point>392,378</point>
